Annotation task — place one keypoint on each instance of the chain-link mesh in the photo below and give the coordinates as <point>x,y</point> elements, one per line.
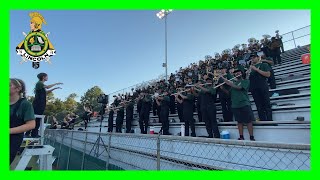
<point>81,150</point>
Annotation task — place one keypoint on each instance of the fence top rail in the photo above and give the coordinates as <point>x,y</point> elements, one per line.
<point>202,140</point>
<point>296,30</point>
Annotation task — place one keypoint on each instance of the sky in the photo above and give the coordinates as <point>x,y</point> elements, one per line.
<point>117,49</point>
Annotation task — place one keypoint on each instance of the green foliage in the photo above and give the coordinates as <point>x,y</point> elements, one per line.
<point>58,108</point>
<point>91,96</point>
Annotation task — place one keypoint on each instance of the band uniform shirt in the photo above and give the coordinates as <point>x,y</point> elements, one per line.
<point>256,79</point>
<point>240,97</point>
<point>40,94</point>
<point>24,112</point>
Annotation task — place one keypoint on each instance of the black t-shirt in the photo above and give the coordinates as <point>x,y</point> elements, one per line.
<point>256,79</point>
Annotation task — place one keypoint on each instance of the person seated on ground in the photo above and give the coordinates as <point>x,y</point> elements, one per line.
<point>72,120</point>
<point>65,123</point>
<point>54,123</point>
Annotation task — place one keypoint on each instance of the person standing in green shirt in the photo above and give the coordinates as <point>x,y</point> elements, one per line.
<point>22,117</point>
<point>241,105</point>
<point>259,87</point>
<point>39,103</point>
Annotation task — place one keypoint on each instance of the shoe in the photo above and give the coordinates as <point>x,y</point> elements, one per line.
<point>193,135</point>
<point>275,95</point>
<point>252,138</point>
<point>240,138</point>
<point>210,136</point>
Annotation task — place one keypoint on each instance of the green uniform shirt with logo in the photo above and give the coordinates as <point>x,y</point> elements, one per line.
<point>25,111</point>
<point>240,97</point>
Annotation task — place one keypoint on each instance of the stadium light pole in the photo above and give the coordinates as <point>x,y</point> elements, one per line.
<point>163,14</point>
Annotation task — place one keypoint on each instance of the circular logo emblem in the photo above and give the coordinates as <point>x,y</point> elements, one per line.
<point>36,44</point>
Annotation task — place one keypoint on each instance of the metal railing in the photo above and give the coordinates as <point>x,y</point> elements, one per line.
<point>81,150</point>
<point>290,40</point>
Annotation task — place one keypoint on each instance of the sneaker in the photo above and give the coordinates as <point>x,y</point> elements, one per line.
<point>252,139</point>
<point>240,138</point>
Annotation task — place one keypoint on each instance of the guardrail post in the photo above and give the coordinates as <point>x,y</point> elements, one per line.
<point>84,151</point>
<point>294,41</point>
<point>108,152</point>
<point>158,152</point>
<point>69,151</point>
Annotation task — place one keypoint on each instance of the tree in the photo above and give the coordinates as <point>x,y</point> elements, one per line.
<point>91,96</point>
<point>70,103</point>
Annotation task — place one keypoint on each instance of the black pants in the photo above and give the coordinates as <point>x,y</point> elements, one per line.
<point>210,119</point>
<point>172,105</point>
<point>189,122</point>
<point>180,111</point>
<point>144,121</point>
<point>272,80</point>
<point>164,116</point>
<point>15,143</point>
<point>38,110</point>
<point>226,108</point>
<point>154,108</point>
<point>129,118</point>
<point>262,101</point>
<point>110,123</point>
<point>158,113</point>
<point>276,56</point>
<point>199,110</point>
<point>119,123</point>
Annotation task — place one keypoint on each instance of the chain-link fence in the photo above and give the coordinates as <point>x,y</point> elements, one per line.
<point>81,150</point>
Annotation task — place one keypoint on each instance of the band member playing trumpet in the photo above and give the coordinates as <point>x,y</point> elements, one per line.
<point>208,107</point>
<point>259,87</point>
<point>225,97</point>
<point>188,103</point>
<point>241,105</point>
<point>129,115</point>
<point>145,112</point>
<point>164,102</point>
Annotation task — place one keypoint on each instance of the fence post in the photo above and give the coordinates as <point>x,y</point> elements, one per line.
<point>84,151</point>
<point>158,152</point>
<point>294,41</point>
<point>69,151</point>
<point>108,152</point>
<point>60,149</point>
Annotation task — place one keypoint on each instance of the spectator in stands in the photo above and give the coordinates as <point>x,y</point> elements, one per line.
<point>279,39</point>
<point>39,103</point>
<point>22,117</point>
<point>241,105</point>
<point>275,50</point>
<point>259,87</point>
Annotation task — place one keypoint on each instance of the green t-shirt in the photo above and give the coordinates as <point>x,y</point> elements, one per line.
<point>39,86</point>
<point>262,66</point>
<point>211,89</point>
<point>240,97</point>
<point>165,101</point>
<point>25,111</point>
<point>190,97</point>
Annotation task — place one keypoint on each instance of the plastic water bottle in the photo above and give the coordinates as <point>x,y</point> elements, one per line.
<point>182,130</point>
<point>152,130</point>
